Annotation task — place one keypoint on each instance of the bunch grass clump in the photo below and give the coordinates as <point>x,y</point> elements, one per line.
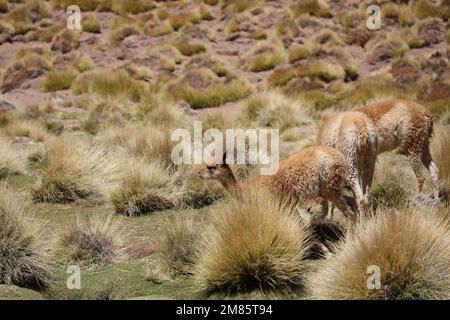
<point>273,109</point>
<point>145,188</point>
<point>92,241</point>
<point>180,244</point>
<point>108,83</point>
<point>202,88</point>
<point>72,170</point>
<point>411,249</point>
<point>253,243</point>
<point>24,261</point>
<point>440,150</point>
<point>59,80</point>
<point>11,161</point>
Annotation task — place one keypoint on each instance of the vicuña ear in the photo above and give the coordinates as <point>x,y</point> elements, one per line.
<point>224,158</point>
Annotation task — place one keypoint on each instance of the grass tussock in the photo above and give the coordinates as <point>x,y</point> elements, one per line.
<point>253,244</point>
<point>30,128</point>
<point>264,57</point>
<point>74,170</point>
<point>202,88</point>
<point>385,47</point>
<point>151,143</point>
<point>90,23</point>
<point>440,150</point>
<point>183,18</point>
<point>410,247</point>
<point>316,8</point>
<point>144,188</point>
<point>59,80</point>
<point>24,259</point>
<point>108,83</point>
<point>180,243</point>
<point>273,109</point>
<point>91,241</point>
<point>12,161</point>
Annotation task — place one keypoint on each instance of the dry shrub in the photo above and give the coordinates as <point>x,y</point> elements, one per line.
<point>197,193</point>
<point>411,248</point>
<point>11,161</point>
<point>202,88</point>
<point>149,142</point>
<point>317,8</point>
<point>180,243</point>
<point>385,47</point>
<point>24,261</point>
<point>144,188</point>
<point>275,110</point>
<point>109,83</point>
<point>73,169</point>
<point>440,150</point>
<point>253,243</point>
<point>92,241</point>
<point>264,57</point>
<point>18,127</point>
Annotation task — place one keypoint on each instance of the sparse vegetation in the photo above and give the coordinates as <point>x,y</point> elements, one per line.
<point>22,247</point>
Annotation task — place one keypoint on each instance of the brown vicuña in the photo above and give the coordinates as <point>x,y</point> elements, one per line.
<point>409,126</point>
<point>355,135</point>
<point>315,172</point>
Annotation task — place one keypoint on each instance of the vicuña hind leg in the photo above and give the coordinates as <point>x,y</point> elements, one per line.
<point>356,186</point>
<point>427,161</point>
<point>416,165</point>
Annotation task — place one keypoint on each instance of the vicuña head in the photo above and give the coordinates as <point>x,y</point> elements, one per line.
<point>221,172</point>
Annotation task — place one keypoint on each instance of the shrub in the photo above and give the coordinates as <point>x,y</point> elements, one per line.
<point>24,260</point>
<point>385,47</point>
<point>90,23</point>
<point>152,143</point>
<point>180,243</point>
<point>315,8</point>
<point>74,170</point>
<point>253,243</point>
<point>202,88</point>
<point>273,109</point>
<point>59,80</point>
<point>188,47</point>
<point>92,241</point>
<point>108,83</point>
<point>410,247</point>
<point>144,188</point>
<point>440,149</point>
<point>11,161</point>
<point>264,57</point>
<point>184,17</point>
<point>122,32</point>
<point>133,7</point>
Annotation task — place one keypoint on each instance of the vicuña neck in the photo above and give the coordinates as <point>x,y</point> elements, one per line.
<point>229,182</point>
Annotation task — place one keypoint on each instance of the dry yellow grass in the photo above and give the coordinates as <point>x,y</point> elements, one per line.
<point>91,241</point>
<point>74,170</point>
<point>411,248</point>
<point>24,261</point>
<point>440,150</point>
<point>253,244</point>
<point>11,161</point>
<point>144,188</point>
<point>275,110</point>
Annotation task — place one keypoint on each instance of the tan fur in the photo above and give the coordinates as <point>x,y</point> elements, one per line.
<point>313,172</point>
<point>355,135</point>
<point>409,126</point>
